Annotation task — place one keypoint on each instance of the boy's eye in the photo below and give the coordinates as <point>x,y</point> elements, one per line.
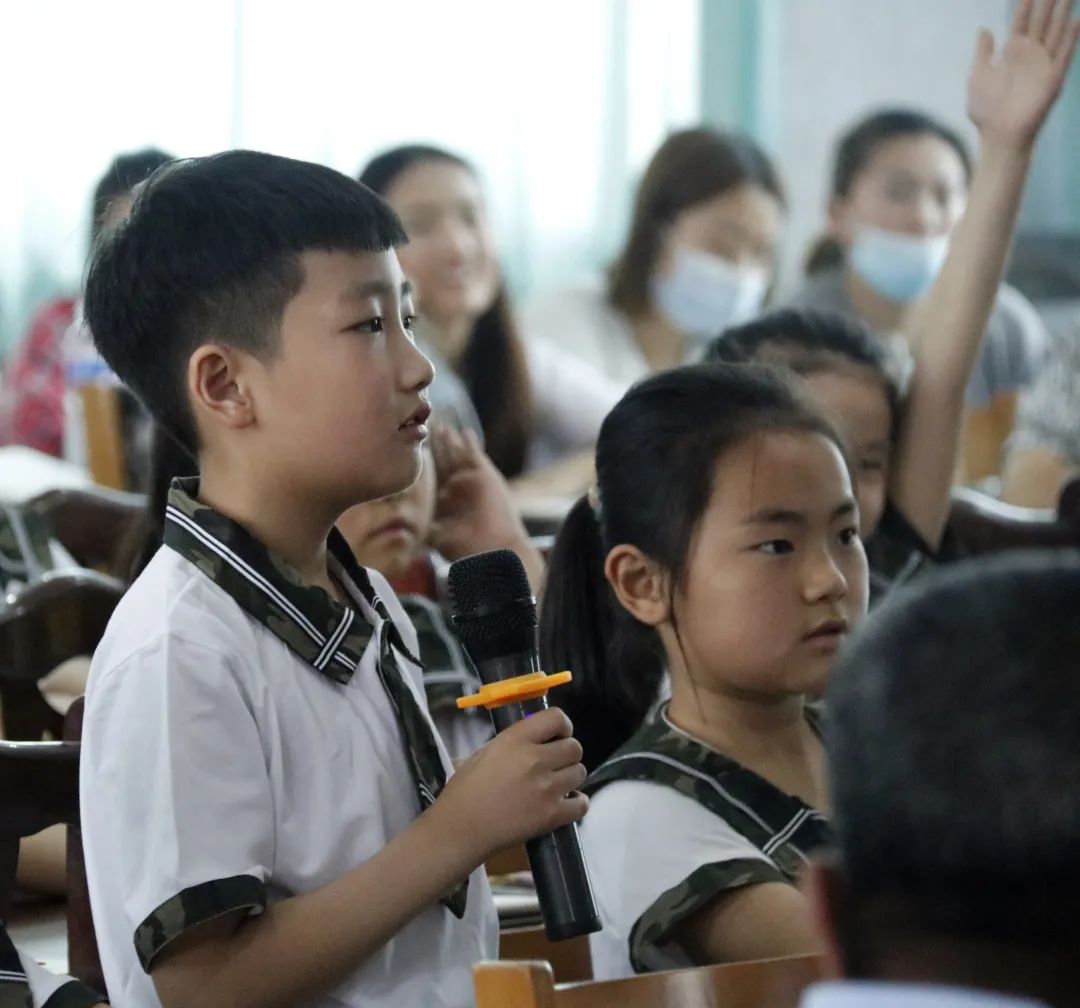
<point>372,325</point>
<point>776,547</point>
<point>850,536</point>
<point>409,321</point>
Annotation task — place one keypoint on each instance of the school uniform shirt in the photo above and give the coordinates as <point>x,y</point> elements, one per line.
<point>1013,349</point>
<point>672,824</point>
<point>247,739</point>
<point>880,994</point>
<point>24,983</point>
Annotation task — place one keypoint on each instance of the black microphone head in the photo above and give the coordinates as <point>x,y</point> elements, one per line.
<point>493,605</point>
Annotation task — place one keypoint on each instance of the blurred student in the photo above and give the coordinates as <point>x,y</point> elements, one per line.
<point>274,821</point>
<point>699,257</point>
<point>535,406</point>
<point>955,781</point>
<point>721,552</point>
<point>35,379</point>
<point>900,183</point>
<point>904,430</point>
<point>1044,451</point>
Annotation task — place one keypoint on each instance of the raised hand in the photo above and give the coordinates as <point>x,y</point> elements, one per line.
<point>1011,92</point>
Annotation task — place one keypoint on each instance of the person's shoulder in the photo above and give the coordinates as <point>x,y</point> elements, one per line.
<point>822,291</point>
<point>1015,314</point>
<point>172,603</point>
<point>586,304</point>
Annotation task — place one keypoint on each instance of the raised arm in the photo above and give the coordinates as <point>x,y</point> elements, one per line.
<point>1010,93</point>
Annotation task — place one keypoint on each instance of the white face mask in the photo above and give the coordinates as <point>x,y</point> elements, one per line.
<point>899,267</point>
<point>703,294</point>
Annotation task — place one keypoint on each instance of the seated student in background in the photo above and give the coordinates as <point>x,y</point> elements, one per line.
<point>699,257</point>
<point>269,818</point>
<point>955,780</point>
<point>1044,451</point>
<point>905,445</point>
<point>537,407</point>
<point>34,378</point>
<point>459,505</point>
<point>900,183</point>
<point>25,984</point>
<point>721,549</point>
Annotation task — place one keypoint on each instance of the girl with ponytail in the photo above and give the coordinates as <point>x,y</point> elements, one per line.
<point>720,551</point>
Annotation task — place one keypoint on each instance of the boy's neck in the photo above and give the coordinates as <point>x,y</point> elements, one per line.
<point>293,530</point>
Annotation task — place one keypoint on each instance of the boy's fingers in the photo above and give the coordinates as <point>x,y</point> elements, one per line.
<point>569,780</point>
<point>1065,56</point>
<point>1059,27</point>
<point>573,808</point>
<point>984,47</point>
<point>544,726</point>
<point>1041,20</point>
<point>562,754</point>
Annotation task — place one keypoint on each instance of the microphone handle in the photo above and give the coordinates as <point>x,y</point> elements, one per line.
<point>558,866</point>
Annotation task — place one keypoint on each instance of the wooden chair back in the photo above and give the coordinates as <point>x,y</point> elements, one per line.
<point>768,983</point>
<point>90,524</point>
<point>84,960</point>
<point>981,524</point>
<point>104,427</point>
<point>42,625</point>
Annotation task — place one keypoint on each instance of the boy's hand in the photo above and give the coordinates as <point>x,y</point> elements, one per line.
<point>1010,96</point>
<point>520,785</point>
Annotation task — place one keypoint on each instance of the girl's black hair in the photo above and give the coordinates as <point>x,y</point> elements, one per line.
<point>168,460</point>
<point>857,146</point>
<point>120,178</point>
<point>811,342</point>
<point>493,368</point>
<point>655,463</point>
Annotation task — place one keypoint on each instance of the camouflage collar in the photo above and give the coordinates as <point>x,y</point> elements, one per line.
<point>327,635</point>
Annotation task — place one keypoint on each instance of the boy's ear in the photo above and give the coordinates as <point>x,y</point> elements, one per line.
<point>823,886</point>
<point>218,387</point>
<point>639,583</point>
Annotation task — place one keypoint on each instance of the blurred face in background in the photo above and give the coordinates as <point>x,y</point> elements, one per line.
<point>450,255</point>
<point>911,185</point>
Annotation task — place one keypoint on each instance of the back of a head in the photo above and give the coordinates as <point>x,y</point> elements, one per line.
<point>120,179</point>
<point>689,168</point>
<point>853,152</point>
<point>955,766</point>
<point>210,253</point>
<point>656,456</point>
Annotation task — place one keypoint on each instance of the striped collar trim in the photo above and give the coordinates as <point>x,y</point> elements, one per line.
<point>327,635</point>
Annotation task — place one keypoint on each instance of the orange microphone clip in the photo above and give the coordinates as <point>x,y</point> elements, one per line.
<point>531,686</point>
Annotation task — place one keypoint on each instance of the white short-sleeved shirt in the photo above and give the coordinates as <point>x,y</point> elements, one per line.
<point>24,981</point>
<point>221,771</point>
<point>642,839</point>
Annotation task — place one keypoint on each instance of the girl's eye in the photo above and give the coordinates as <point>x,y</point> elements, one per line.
<point>372,325</point>
<point>850,536</point>
<point>776,547</point>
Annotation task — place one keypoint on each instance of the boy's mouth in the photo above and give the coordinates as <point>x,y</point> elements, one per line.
<point>418,419</point>
<point>828,634</point>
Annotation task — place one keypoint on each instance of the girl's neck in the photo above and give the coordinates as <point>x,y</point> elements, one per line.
<point>661,344</point>
<point>879,313</point>
<point>769,736</point>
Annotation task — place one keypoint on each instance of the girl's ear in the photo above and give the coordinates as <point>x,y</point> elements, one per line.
<point>841,226</point>
<point>639,583</point>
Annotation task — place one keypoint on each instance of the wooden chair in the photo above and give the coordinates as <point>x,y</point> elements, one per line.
<point>981,524</point>
<point>104,428</point>
<point>767,983</point>
<point>84,960</point>
<point>570,960</point>
<point>42,625</point>
<point>90,524</point>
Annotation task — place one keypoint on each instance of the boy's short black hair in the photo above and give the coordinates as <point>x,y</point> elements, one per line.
<point>210,253</point>
<point>954,751</point>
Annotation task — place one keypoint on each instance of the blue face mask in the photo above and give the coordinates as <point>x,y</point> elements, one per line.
<point>899,267</point>
<point>703,294</point>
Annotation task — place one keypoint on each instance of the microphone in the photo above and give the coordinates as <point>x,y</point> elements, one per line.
<point>495,615</point>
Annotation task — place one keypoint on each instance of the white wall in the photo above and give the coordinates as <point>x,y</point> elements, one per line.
<point>833,60</point>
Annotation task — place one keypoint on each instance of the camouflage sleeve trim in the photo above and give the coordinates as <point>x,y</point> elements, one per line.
<point>196,905</point>
<point>650,939</point>
<point>74,995</point>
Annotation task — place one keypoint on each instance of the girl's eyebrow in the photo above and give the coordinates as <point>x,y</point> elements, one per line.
<point>787,516</point>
